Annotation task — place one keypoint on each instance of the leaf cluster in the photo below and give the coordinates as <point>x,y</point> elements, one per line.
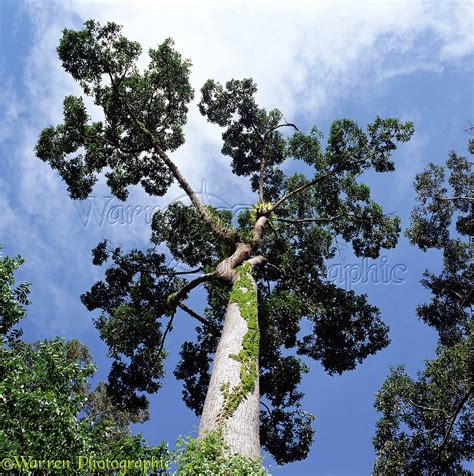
<point>426,424</point>
<point>133,298</point>
<point>12,299</point>
<point>208,456</point>
<point>48,409</point>
<point>103,61</point>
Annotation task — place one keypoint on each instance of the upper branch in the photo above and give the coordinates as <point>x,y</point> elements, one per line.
<point>175,298</point>
<point>453,419</point>
<point>219,232</point>
<point>262,170</point>
<point>309,220</point>
<point>313,182</point>
<point>300,189</point>
<point>263,158</point>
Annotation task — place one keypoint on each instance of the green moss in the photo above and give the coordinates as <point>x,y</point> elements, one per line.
<point>171,298</point>
<point>244,295</point>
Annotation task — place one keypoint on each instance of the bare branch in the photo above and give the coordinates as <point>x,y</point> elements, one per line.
<point>431,409</point>
<point>194,314</point>
<point>275,267</point>
<point>262,170</point>
<point>322,219</point>
<point>309,220</point>
<point>300,189</point>
<point>257,261</point>
<point>450,199</point>
<point>175,298</point>
<point>167,330</point>
<point>191,271</point>
<point>287,124</point>
<point>267,409</point>
<point>171,273</point>
<point>315,181</point>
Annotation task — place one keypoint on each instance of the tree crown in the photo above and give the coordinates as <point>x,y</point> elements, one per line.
<point>292,229</point>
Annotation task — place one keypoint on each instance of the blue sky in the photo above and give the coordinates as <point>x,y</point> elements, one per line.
<point>316,62</point>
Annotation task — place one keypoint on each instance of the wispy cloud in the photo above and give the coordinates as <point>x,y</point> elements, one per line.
<point>306,57</point>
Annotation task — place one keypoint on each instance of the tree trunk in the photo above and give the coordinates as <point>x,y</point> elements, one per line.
<point>240,427</point>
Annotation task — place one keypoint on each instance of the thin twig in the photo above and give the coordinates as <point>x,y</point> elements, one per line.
<point>308,220</point>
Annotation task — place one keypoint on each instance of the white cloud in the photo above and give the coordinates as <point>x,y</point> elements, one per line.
<point>305,57</point>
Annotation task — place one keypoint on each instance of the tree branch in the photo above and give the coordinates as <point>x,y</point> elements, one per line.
<point>267,409</point>
<point>262,170</point>
<point>315,181</point>
<point>175,298</point>
<point>309,220</point>
<point>219,232</point>
<point>287,124</point>
<point>453,419</point>
<point>257,230</point>
<point>257,261</point>
<point>432,409</point>
<point>167,330</point>
<point>322,219</point>
<point>171,273</point>
<point>450,199</point>
<point>194,314</point>
<point>300,189</point>
<point>184,290</point>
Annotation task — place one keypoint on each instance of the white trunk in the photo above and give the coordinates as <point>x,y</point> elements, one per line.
<point>241,428</point>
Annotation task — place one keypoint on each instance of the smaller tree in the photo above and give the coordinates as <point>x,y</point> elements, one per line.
<point>48,410</point>
<point>12,299</point>
<point>427,424</point>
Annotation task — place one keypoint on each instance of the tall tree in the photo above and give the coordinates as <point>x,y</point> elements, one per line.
<point>427,423</point>
<point>263,276</point>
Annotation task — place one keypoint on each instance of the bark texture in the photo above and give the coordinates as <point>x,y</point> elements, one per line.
<point>241,428</point>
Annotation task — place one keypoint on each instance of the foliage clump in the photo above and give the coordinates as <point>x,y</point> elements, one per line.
<point>47,408</point>
<point>207,457</point>
<point>12,299</point>
<point>426,424</point>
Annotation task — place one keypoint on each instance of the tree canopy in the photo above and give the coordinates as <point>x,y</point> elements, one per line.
<point>291,231</point>
<point>427,423</point>
<point>48,408</point>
